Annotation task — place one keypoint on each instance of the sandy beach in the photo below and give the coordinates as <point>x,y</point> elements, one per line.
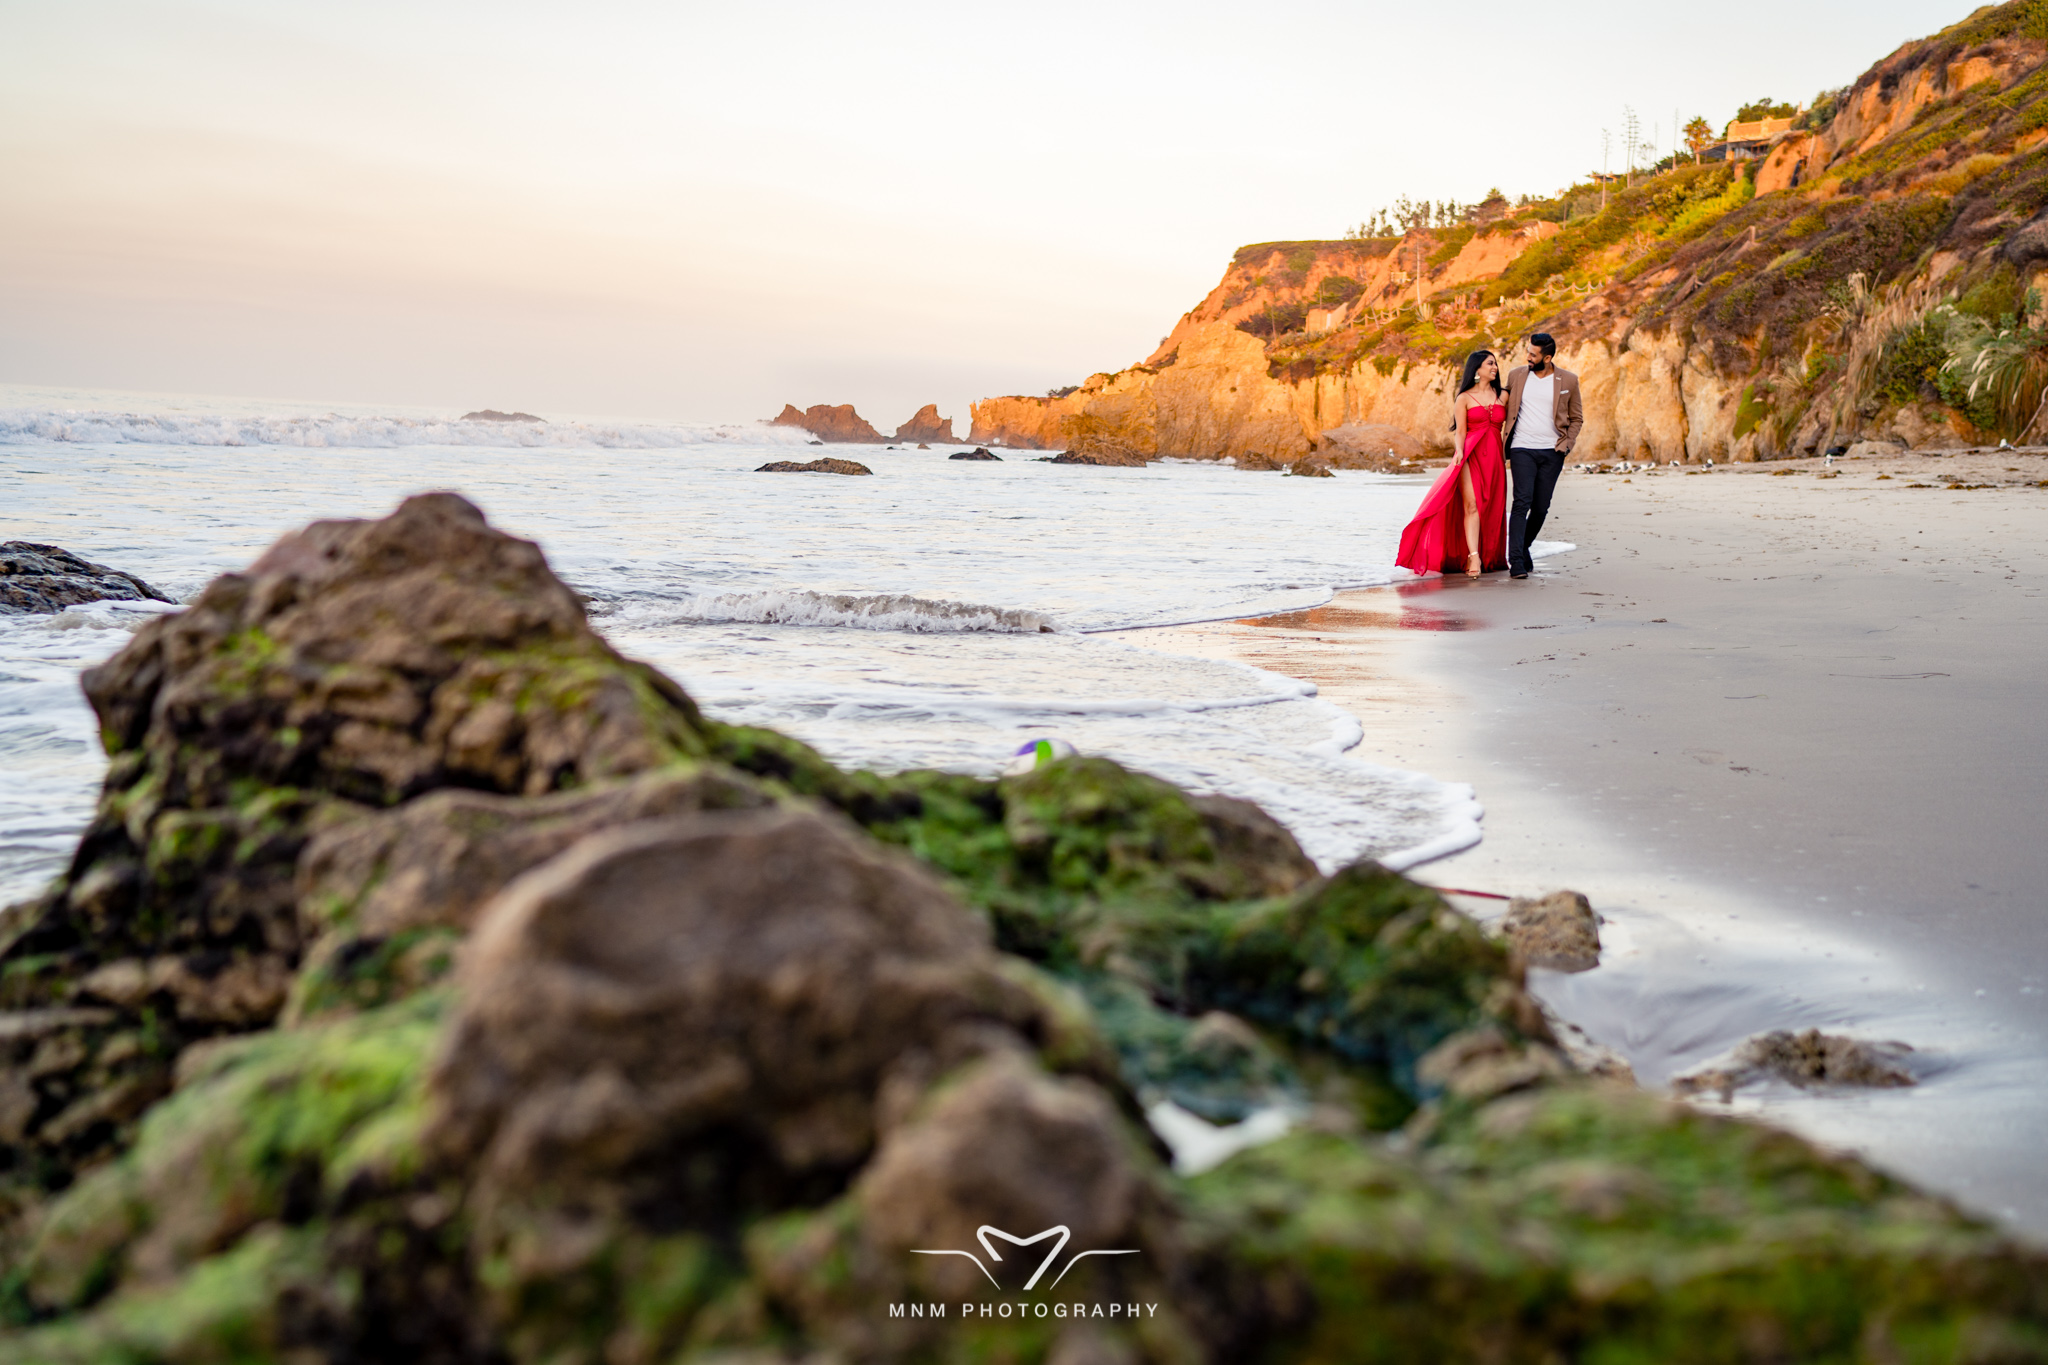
<point>1780,722</point>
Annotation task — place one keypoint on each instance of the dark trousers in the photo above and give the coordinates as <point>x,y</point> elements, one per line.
<point>1535,474</point>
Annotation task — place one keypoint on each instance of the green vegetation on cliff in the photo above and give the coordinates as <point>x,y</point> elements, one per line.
<point>1826,284</point>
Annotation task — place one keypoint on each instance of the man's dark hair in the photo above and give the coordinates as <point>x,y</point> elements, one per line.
<point>1544,342</point>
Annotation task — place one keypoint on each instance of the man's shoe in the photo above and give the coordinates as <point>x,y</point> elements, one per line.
<point>1518,573</point>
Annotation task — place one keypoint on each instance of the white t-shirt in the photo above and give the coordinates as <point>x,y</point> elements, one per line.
<point>1536,423</point>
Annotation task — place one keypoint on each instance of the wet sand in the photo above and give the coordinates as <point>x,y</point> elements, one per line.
<point>1788,732</point>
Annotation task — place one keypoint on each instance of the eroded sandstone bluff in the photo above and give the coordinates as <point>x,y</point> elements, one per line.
<point>435,984</point>
<point>1876,275</point>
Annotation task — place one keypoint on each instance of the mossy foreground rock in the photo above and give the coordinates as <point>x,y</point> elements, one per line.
<point>354,666</point>
<point>436,985</point>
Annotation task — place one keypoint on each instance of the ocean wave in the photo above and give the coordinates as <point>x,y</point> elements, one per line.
<point>22,425</point>
<point>890,611</point>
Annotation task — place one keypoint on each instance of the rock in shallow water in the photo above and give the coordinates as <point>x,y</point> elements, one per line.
<point>828,465</point>
<point>926,426</point>
<point>1558,931</point>
<point>1809,1059</point>
<point>44,579</point>
<point>829,422</point>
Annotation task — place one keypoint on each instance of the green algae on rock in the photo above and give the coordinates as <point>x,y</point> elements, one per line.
<point>1585,1221</point>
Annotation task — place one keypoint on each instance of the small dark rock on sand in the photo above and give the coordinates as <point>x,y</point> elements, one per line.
<point>1311,467</point>
<point>824,466</point>
<point>1558,931</point>
<point>42,580</point>
<point>1807,1060</point>
<point>493,415</point>
<point>978,453</point>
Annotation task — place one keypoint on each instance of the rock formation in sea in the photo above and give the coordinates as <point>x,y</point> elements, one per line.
<point>829,423</point>
<point>493,415</point>
<point>434,983</point>
<point>926,426</point>
<point>978,453</point>
<point>824,466</point>
<point>44,579</point>
<point>1850,284</point>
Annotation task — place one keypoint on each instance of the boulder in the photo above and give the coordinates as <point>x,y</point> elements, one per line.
<point>758,984</point>
<point>1558,931</point>
<point>684,1025</point>
<point>1009,1147</point>
<point>927,425</point>
<point>825,466</point>
<point>1311,467</point>
<point>383,899</point>
<point>1482,1063</point>
<point>354,665</point>
<point>978,453</point>
<point>45,579</point>
<point>829,423</point>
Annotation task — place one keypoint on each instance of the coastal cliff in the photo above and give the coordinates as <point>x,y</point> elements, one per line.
<point>1872,276</point>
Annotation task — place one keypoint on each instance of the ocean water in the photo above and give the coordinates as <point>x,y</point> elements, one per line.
<point>940,613</point>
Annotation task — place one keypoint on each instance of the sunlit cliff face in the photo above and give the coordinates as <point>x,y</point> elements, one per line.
<point>706,211</point>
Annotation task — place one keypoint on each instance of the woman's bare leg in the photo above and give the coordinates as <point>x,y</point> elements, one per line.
<point>1469,496</point>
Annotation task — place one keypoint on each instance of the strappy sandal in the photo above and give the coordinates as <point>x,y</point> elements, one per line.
<point>1472,566</point>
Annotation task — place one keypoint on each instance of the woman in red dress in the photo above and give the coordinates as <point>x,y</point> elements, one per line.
<point>1462,523</point>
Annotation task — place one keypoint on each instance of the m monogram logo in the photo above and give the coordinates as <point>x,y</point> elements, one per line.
<point>983,1233</point>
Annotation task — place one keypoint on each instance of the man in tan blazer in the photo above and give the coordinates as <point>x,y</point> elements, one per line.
<point>1545,415</point>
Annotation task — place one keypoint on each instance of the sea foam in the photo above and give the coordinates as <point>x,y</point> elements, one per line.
<point>882,611</point>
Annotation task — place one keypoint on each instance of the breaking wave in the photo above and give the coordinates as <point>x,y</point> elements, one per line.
<point>21,425</point>
<point>892,611</point>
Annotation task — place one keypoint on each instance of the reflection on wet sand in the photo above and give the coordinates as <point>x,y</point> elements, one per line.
<point>1335,617</point>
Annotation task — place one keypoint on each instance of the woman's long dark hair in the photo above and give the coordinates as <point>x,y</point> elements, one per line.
<point>1469,380</point>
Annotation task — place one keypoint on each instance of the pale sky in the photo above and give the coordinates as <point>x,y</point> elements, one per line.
<point>702,211</point>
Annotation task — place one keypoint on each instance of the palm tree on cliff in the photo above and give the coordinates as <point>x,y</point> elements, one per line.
<point>1699,135</point>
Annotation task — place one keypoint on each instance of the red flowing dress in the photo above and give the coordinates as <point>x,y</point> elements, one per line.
<point>1434,541</point>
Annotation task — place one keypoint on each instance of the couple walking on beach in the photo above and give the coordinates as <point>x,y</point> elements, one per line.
<point>1465,524</point>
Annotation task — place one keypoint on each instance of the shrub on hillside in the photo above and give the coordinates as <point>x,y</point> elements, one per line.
<point>1276,320</point>
<point>1336,290</point>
